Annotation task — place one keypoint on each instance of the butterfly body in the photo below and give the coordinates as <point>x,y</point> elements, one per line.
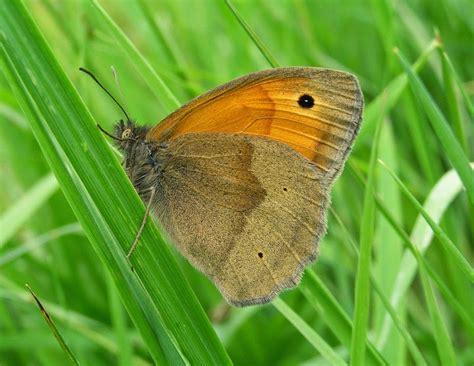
<point>242,174</point>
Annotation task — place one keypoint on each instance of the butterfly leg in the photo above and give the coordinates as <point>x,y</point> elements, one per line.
<point>142,226</point>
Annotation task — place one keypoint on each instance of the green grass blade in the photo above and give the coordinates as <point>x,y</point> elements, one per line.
<point>440,197</point>
<point>156,84</point>
<point>389,96</point>
<point>451,146</point>
<point>415,351</point>
<point>448,295</point>
<point>420,140</point>
<point>318,295</point>
<point>461,262</point>
<point>452,101</point>
<point>88,213</point>
<point>452,71</point>
<point>170,50</point>
<point>441,335</point>
<point>253,36</point>
<point>27,205</point>
<point>8,256</point>
<point>157,296</point>
<point>119,320</point>
<point>388,255</point>
<point>314,338</point>
<point>362,287</point>
<point>63,23</point>
<point>442,339</point>
<point>98,333</point>
<point>13,116</point>
<point>53,328</point>
<point>162,41</point>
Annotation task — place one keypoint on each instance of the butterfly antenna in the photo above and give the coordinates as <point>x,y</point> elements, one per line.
<point>103,87</point>
<point>109,134</point>
<point>117,82</point>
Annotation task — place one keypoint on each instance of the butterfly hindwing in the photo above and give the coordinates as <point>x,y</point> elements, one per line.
<point>246,210</point>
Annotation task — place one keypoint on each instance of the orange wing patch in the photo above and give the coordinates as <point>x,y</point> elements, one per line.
<point>315,111</point>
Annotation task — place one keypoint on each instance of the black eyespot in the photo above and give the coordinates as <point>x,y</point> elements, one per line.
<point>306,101</point>
<point>285,189</point>
<point>260,255</point>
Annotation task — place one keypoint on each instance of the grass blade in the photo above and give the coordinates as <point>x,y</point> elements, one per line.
<point>444,347</point>
<point>452,71</point>
<point>362,291</point>
<point>90,217</point>
<point>388,255</point>
<point>439,199</point>
<point>34,243</point>
<point>156,84</point>
<point>253,36</point>
<point>456,255</point>
<point>27,205</point>
<point>451,146</point>
<point>314,338</point>
<point>317,294</point>
<point>157,296</point>
<point>416,353</point>
<point>169,49</point>
<point>452,100</point>
<point>389,97</point>
<point>441,335</point>
<point>448,295</point>
<point>53,328</point>
<point>119,320</point>
<point>98,333</point>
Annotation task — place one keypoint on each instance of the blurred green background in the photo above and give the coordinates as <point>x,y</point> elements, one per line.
<point>195,45</point>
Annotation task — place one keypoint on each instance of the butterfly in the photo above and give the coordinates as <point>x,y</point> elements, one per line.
<point>240,177</point>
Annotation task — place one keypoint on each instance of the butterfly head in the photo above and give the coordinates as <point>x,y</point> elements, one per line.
<point>127,134</point>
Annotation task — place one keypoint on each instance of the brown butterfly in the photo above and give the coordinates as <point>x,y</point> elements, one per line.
<point>240,177</point>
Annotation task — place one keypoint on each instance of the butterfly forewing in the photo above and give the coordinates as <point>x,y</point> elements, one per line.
<point>272,103</point>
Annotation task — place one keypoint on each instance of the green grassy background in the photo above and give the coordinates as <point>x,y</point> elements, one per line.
<point>66,236</point>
